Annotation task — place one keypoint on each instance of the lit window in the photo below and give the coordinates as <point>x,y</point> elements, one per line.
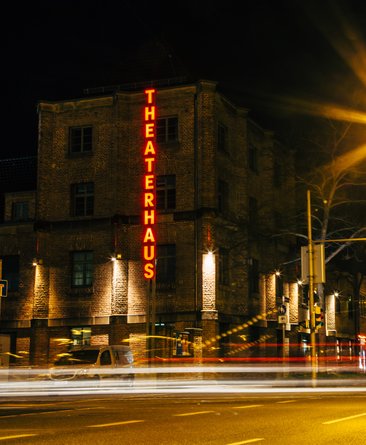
<point>167,130</point>
<point>82,198</point>
<point>82,268</point>
<point>19,211</point>
<point>80,139</point>
<point>166,264</point>
<point>165,192</point>
<point>81,335</point>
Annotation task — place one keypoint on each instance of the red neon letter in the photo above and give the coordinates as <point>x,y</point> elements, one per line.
<point>149,182</point>
<point>150,95</point>
<point>149,271</point>
<point>150,130</point>
<point>150,113</point>
<point>149,217</point>
<point>149,236</point>
<point>148,200</point>
<point>149,149</point>
<point>149,162</point>
<point>149,252</point>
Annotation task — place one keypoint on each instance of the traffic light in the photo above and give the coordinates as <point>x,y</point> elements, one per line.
<point>318,317</point>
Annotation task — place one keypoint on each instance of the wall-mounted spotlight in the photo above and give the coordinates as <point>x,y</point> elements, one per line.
<point>36,262</point>
<point>116,256</point>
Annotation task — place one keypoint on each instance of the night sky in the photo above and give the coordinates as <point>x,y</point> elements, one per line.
<point>262,52</point>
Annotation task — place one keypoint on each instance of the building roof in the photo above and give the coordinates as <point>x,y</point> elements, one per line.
<point>18,174</point>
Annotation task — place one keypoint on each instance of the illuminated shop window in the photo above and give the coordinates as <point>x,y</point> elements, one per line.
<point>81,268</point>
<point>19,211</point>
<point>81,139</point>
<point>166,265</point>
<point>223,266</point>
<point>165,192</point>
<point>167,130</point>
<point>82,199</point>
<point>81,335</point>
<point>10,271</point>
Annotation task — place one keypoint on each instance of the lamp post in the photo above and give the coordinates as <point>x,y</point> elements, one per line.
<point>311,292</point>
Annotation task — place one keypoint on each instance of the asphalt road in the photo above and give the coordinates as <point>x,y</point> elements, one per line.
<point>184,419</point>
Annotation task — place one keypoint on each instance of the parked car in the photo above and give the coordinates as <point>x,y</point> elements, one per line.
<point>94,362</point>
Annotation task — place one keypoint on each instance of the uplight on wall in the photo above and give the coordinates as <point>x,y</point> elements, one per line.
<point>116,256</point>
<point>209,281</point>
<point>36,262</point>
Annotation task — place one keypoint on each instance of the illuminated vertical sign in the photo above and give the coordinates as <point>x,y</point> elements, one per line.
<point>149,184</point>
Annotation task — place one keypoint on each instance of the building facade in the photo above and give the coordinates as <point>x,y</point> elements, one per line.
<point>223,193</point>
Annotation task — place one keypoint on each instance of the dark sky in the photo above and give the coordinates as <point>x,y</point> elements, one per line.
<point>261,51</point>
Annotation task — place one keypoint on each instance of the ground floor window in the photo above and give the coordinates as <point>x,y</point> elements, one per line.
<point>81,336</point>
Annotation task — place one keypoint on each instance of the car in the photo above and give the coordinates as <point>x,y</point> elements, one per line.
<point>94,362</point>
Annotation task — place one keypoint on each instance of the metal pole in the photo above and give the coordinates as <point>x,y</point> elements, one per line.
<point>311,292</point>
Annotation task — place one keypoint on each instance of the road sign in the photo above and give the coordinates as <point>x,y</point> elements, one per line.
<point>3,288</point>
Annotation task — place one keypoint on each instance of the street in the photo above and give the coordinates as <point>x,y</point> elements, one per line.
<point>310,417</point>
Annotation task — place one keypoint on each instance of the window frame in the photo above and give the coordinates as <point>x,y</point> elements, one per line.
<point>223,192</point>
<point>222,138</point>
<point>83,145</point>
<point>254,276</point>
<point>23,215</point>
<point>224,267</point>
<point>253,161</point>
<point>85,197</point>
<point>166,193</point>
<point>87,269</point>
<point>166,266</point>
<point>167,130</point>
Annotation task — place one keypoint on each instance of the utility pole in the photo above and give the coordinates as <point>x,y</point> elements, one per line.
<point>311,293</point>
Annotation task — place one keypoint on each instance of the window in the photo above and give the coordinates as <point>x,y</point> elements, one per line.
<point>167,130</point>
<point>81,335</point>
<point>253,158</point>
<point>223,266</point>
<point>80,139</point>
<point>82,268</point>
<point>222,196</point>
<point>82,199</point>
<point>165,192</point>
<point>253,276</point>
<point>222,137</point>
<point>166,263</point>
<point>10,271</point>
<point>253,211</point>
<point>19,211</point>
<point>105,358</point>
